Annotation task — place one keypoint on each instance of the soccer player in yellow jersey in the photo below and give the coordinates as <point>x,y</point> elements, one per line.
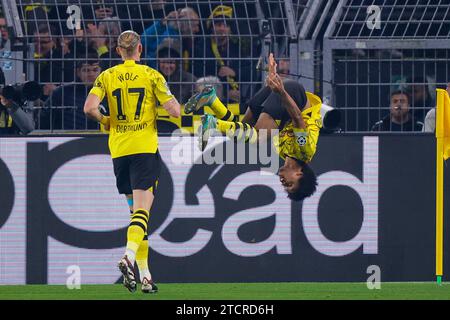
<point>300,123</point>
<point>133,91</point>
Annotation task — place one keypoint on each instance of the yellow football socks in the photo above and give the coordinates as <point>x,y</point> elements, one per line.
<point>142,259</point>
<point>136,231</point>
<point>221,111</point>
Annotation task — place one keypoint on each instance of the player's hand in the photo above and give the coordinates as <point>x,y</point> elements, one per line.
<point>275,83</point>
<point>226,72</point>
<point>272,64</point>
<point>106,123</point>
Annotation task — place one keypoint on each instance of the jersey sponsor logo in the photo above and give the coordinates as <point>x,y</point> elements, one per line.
<point>123,128</point>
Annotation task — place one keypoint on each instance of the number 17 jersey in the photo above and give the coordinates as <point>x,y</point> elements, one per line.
<point>133,91</point>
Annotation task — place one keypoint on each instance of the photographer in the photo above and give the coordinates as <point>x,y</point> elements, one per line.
<point>13,119</point>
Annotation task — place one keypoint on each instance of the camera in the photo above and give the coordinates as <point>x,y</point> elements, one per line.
<point>331,119</point>
<point>20,93</point>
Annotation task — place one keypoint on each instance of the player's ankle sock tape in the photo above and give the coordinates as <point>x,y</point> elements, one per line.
<point>130,203</point>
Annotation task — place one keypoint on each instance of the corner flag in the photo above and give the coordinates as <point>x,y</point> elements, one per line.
<point>442,153</point>
<point>443,120</point>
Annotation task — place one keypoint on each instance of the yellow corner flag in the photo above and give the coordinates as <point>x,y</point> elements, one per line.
<point>443,120</point>
<point>442,153</point>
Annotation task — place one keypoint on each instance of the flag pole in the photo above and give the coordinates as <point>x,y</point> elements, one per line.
<point>440,104</point>
<point>439,209</point>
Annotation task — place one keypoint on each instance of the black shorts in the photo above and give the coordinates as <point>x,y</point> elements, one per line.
<point>269,102</point>
<point>137,172</point>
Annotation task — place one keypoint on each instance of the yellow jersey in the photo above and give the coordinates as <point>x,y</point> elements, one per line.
<point>133,91</point>
<point>299,143</point>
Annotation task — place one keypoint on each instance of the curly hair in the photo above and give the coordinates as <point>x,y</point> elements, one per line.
<point>308,183</point>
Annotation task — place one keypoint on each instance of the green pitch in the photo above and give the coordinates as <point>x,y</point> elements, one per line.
<point>234,291</point>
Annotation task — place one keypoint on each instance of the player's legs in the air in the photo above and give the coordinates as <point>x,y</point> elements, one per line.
<point>223,122</point>
<point>208,97</point>
<point>238,131</point>
<point>265,107</point>
<point>241,131</point>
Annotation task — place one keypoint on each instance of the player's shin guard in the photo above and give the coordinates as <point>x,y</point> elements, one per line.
<point>136,231</point>
<point>221,111</point>
<point>238,131</point>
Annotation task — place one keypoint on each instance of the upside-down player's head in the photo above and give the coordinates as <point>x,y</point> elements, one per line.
<point>129,45</point>
<point>298,179</point>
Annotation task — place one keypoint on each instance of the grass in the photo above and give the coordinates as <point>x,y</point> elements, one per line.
<point>234,291</point>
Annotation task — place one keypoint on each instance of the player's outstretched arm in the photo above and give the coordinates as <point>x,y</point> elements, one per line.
<point>275,82</point>
<point>173,107</point>
<point>92,112</point>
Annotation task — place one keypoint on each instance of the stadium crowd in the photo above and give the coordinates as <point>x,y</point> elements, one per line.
<point>66,61</point>
<point>189,48</point>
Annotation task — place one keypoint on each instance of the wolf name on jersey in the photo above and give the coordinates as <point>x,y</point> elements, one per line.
<point>133,91</point>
